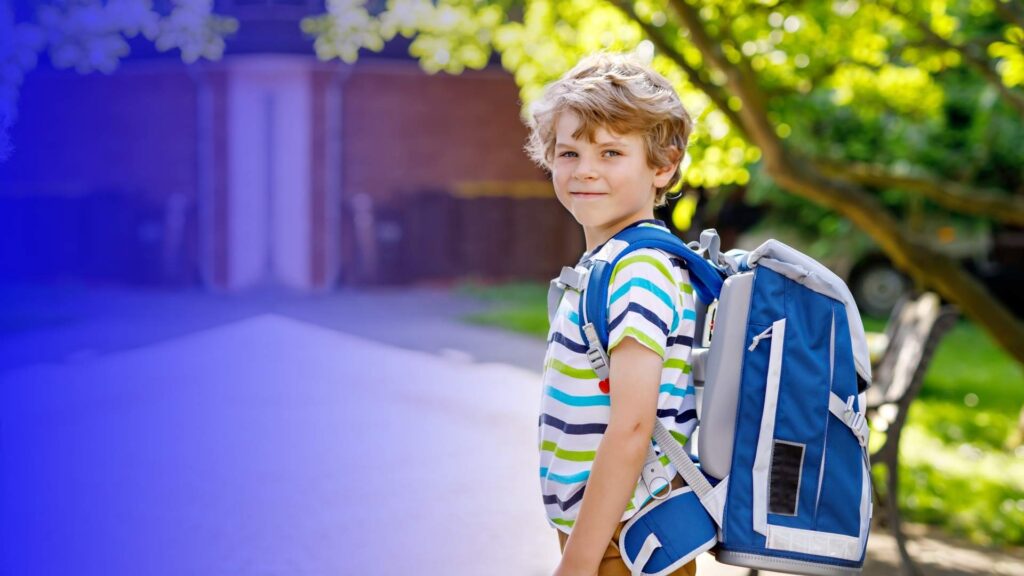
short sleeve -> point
(643, 301)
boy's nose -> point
(584, 172)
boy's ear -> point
(663, 174)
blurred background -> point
(207, 203)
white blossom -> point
(91, 35)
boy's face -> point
(606, 184)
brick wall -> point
(102, 155)
(405, 131)
(409, 141)
(102, 178)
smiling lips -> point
(587, 194)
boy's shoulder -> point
(648, 263)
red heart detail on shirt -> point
(605, 386)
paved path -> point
(264, 434)
(271, 446)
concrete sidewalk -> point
(271, 446)
(354, 433)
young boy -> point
(612, 132)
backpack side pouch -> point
(662, 537)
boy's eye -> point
(565, 154)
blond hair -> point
(625, 96)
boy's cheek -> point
(563, 197)
(567, 207)
(566, 201)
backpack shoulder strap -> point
(593, 312)
(707, 279)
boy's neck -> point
(598, 235)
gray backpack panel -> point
(722, 368)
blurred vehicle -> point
(994, 256)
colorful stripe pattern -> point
(651, 300)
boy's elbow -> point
(633, 432)
(642, 427)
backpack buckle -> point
(595, 353)
(856, 422)
(575, 278)
(653, 472)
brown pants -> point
(612, 563)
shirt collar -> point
(588, 255)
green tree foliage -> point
(859, 108)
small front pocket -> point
(661, 538)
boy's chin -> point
(587, 221)
(589, 215)
(593, 218)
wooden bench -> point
(913, 333)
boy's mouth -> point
(587, 194)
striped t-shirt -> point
(651, 300)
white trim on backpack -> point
(763, 456)
(814, 542)
(714, 503)
(866, 505)
(646, 551)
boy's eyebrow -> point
(608, 143)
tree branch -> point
(753, 111)
(698, 79)
(1010, 13)
(953, 196)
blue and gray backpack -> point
(780, 476)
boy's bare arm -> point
(635, 375)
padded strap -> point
(575, 278)
(707, 279)
(555, 292)
(650, 545)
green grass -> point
(961, 466)
(968, 489)
(520, 307)
(961, 463)
(969, 362)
